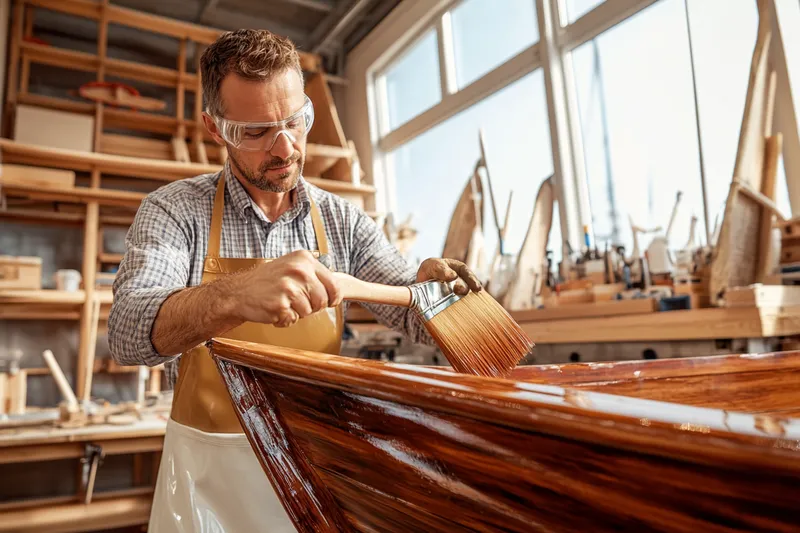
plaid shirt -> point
(166, 246)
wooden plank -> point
(79, 195)
(34, 216)
(53, 102)
(694, 324)
(15, 505)
(763, 296)
(46, 178)
(130, 146)
(327, 128)
(76, 517)
(101, 434)
(44, 296)
(734, 261)
(335, 186)
(598, 309)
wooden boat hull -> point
(355, 445)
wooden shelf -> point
(691, 324)
(686, 325)
(114, 512)
(48, 304)
(152, 23)
(110, 258)
(78, 195)
(133, 167)
(72, 59)
(60, 218)
(114, 118)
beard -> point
(284, 182)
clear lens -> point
(261, 136)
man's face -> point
(278, 169)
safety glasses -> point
(261, 136)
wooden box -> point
(20, 272)
(41, 178)
(56, 129)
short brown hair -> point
(255, 55)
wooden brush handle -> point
(364, 291)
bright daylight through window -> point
(635, 127)
(441, 161)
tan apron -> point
(209, 478)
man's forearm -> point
(194, 315)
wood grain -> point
(412, 448)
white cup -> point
(68, 280)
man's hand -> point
(449, 270)
(285, 290)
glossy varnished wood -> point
(393, 448)
(753, 383)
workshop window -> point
(504, 33)
(638, 122)
(411, 83)
(578, 8)
(431, 171)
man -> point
(246, 253)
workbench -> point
(70, 513)
(652, 335)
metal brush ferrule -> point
(429, 298)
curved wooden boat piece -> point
(701, 444)
(528, 280)
(465, 221)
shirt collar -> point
(241, 201)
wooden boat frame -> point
(356, 445)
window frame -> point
(552, 52)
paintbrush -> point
(475, 333)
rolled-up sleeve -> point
(155, 265)
(376, 260)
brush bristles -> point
(478, 336)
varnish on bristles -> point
(478, 336)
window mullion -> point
(447, 59)
(567, 157)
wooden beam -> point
(17, 28)
(25, 73)
(76, 517)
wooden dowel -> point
(60, 378)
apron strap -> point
(215, 231)
(319, 229)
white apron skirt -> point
(213, 483)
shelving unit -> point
(111, 178)
(131, 153)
